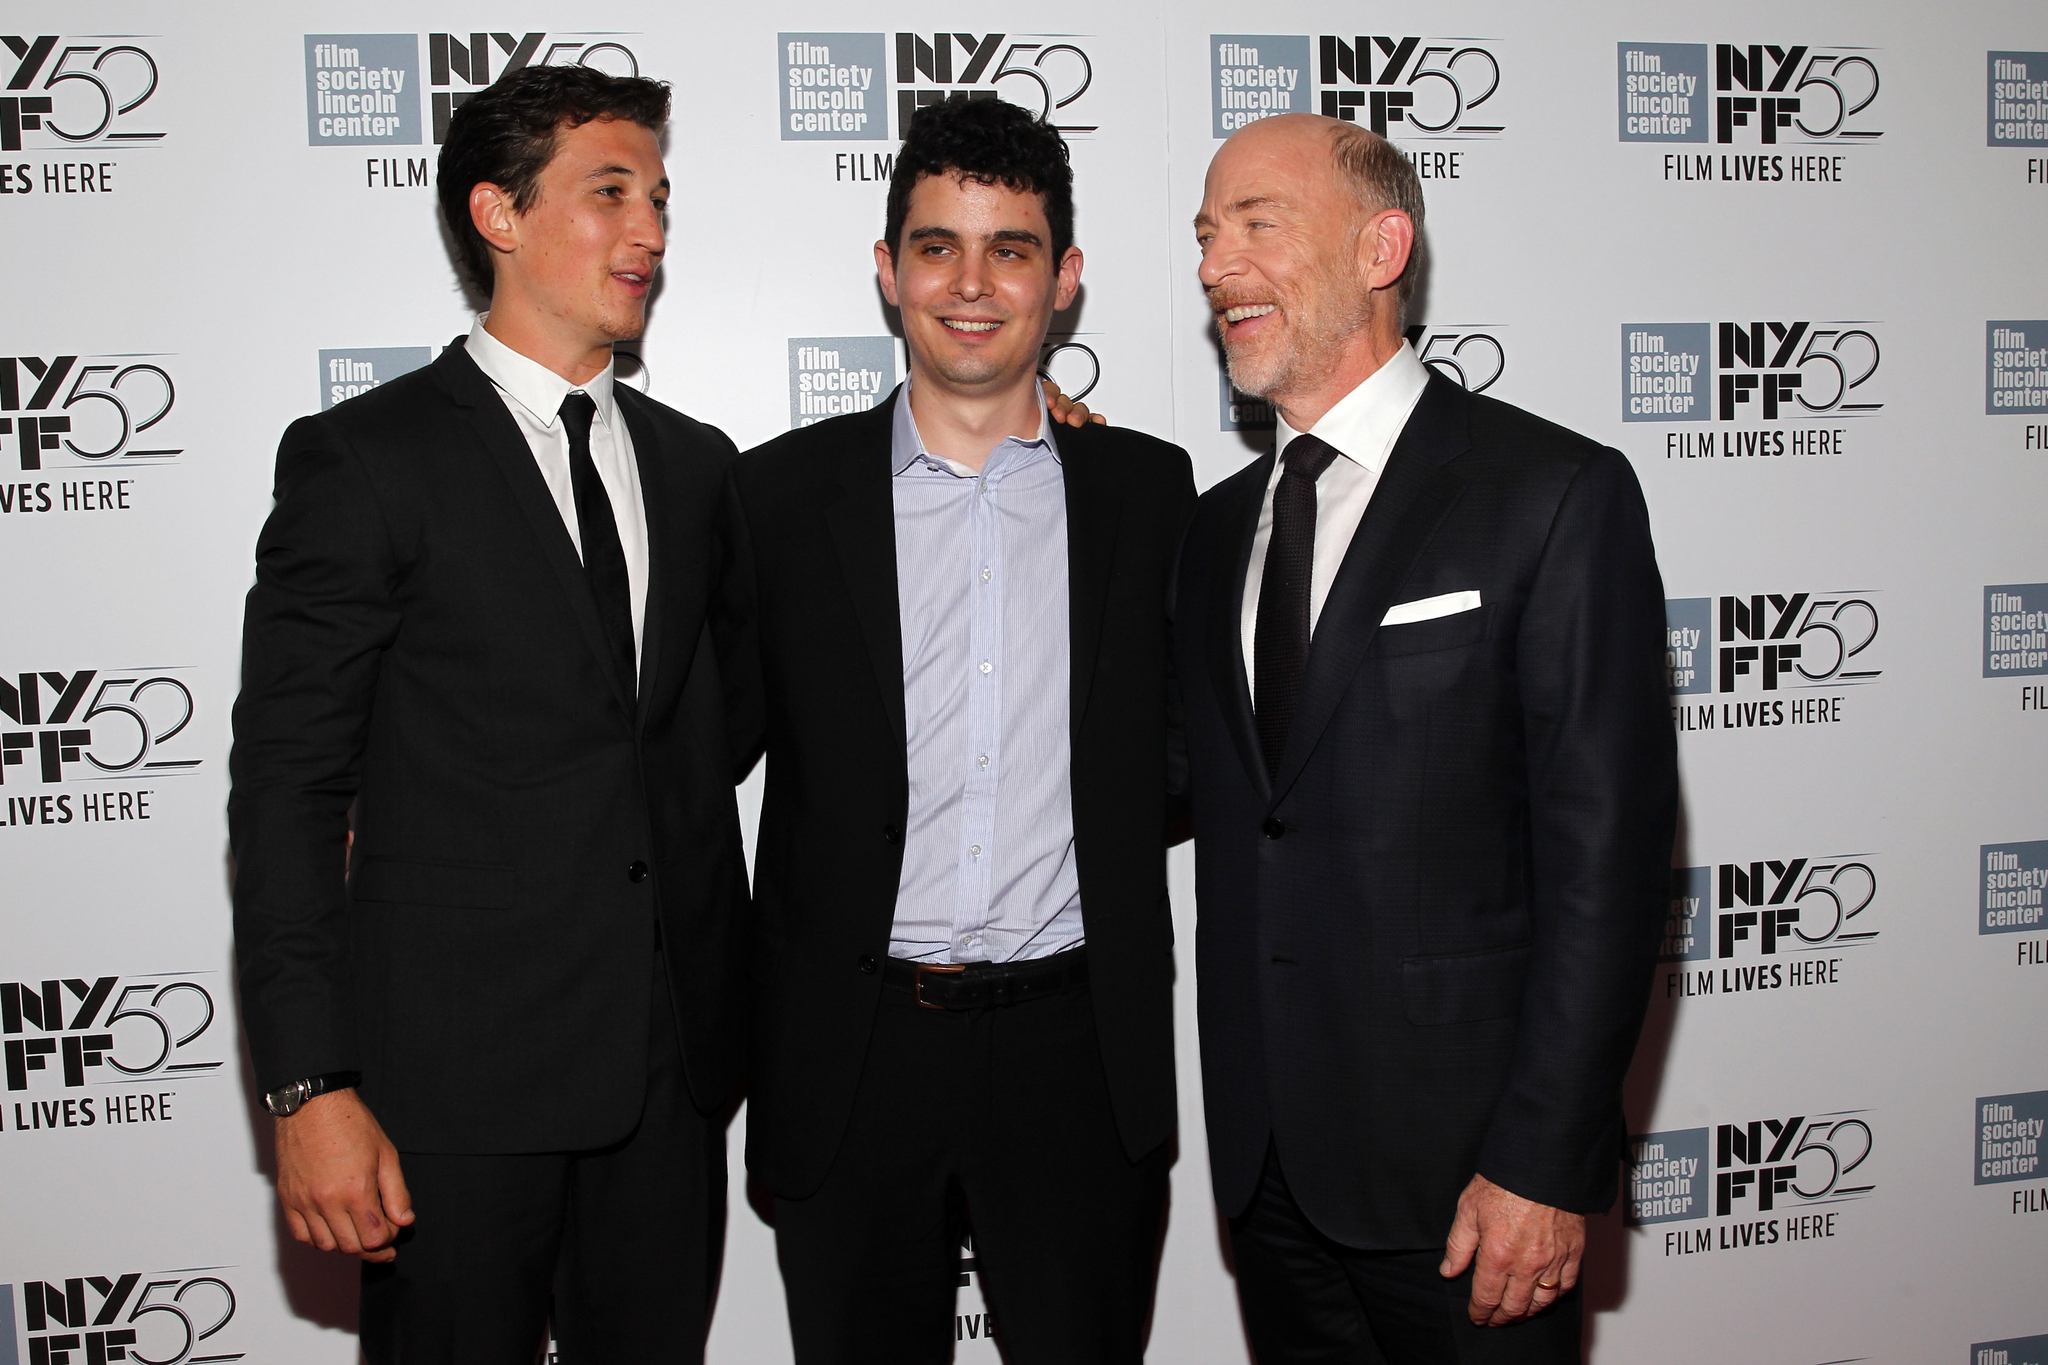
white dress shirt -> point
(1362, 429)
(533, 394)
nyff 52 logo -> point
(87, 723)
(1769, 641)
(75, 92)
(363, 89)
(121, 1029)
(1759, 1166)
(1763, 93)
(841, 86)
(164, 1317)
(1768, 907)
(83, 410)
(1767, 371)
(1400, 86)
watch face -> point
(286, 1099)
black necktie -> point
(1280, 640)
(604, 559)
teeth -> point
(1248, 310)
(971, 326)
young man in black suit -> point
(945, 621)
(1434, 787)
(501, 1051)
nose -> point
(646, 230)
(970, 280)
(1219, 260)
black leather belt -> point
(987, 985)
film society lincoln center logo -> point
(863, 87)
(1756, 1182)
(1748, 94)
(1402, 86)
(365, 89)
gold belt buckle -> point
(917, 987)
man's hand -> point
(1069, 410)
(1521, 1247)
(338, 1178)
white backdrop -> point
(1822, 220)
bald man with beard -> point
(1434, 787)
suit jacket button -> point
(1272, 828)
(637, 872)
(867, 965)
(892, 834)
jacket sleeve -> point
(735, 630)
(1603, 795)
(1179, 807)
(323, 610)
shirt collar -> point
(532, 385)
(1364, 423)
(907, 445)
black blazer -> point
(1426, 949)
(421, 644)
(810, 625)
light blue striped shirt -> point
(981, 585)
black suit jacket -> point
(1425, 949)
(811, 626)
(421, 644)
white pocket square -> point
(1429, 608)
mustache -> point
(1222, 299)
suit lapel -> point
(1226, 622)
(1414, 493)
(863, 526)
(675, 578)
(1094, 498)
(500, 435)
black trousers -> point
(622, 1242)
(997, 1119)
(1308, 1299)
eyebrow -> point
(1256, 201)
(602, 171)
(946, 234)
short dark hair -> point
(506, 135)
(990, 141)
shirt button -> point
(987, 667)
(982, 761)
(987, 573)
(637, 872)
(974, 850)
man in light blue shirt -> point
(946, 627)
(985, 659)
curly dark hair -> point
(505, 135)
(990, 141)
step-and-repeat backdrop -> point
(1787, 256)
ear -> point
(1384, 248)
(1068, 280)
(490, 209)
(885, 266)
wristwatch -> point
(287, 1099)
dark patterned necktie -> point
(604, 558)
(1280, 639)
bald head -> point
(1308, 233)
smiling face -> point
(976, 283)
(574, 268)
(1281, 235)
